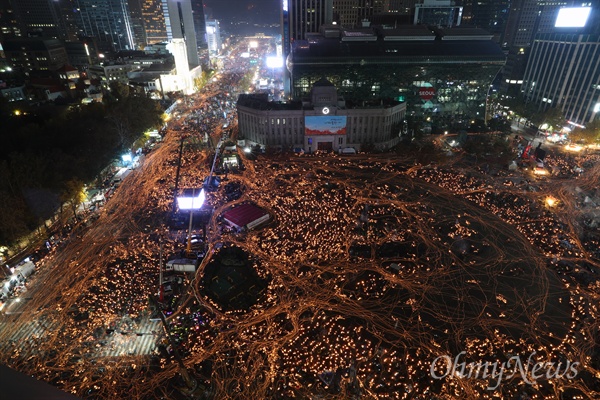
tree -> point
(13, 213)
(587, 135)
(13, 218)
(553, 116)
(73, 193)
(246, 81)
(203, 79)
(131, 116)
(499, 124)
(119, 90)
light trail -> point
(444, 259)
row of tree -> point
(46, 157)
(554, 118)
(204, 78)
(588, 135)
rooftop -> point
(261, 101)
(244, 214)
(405, 45)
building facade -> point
(490, 15)
(199, 23)
(27, 54)
(108, 21)
(179, 21)
(307, 16)
(154, 21)
(324, 121)
(39, 17)
(15, 93)
(350, 13)
(82, 53)
(110, 73)
(529, 18)
(403, 7)
(137, 24)
(9, 26)
(446, 73)
(563, 71)
(213, 36)
(438, 13)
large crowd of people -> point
(376, 268)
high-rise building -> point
(350, 13)
(307, 16)
(199, 23)
(441, 13)
(490, 15)
(403, 7)
(28, 54)
(9, 27)
(107, 20)
(527, 18)
(213, 36)
(179, 21)
(137, 23)
(178, 47)
(298, 18)
(154, 21)
(563, 71)
(39, 18)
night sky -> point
(254, 11)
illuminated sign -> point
(325, 125)
(193, 202)
(426, 93)
(572, 17)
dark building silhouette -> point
(199, 23)
(109, 21)
(27, 54)
(490, 15)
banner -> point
(325, 125)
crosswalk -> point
(27, 339)
(142, 340)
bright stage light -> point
(191, 202)
(572, 17)
(274, 62)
